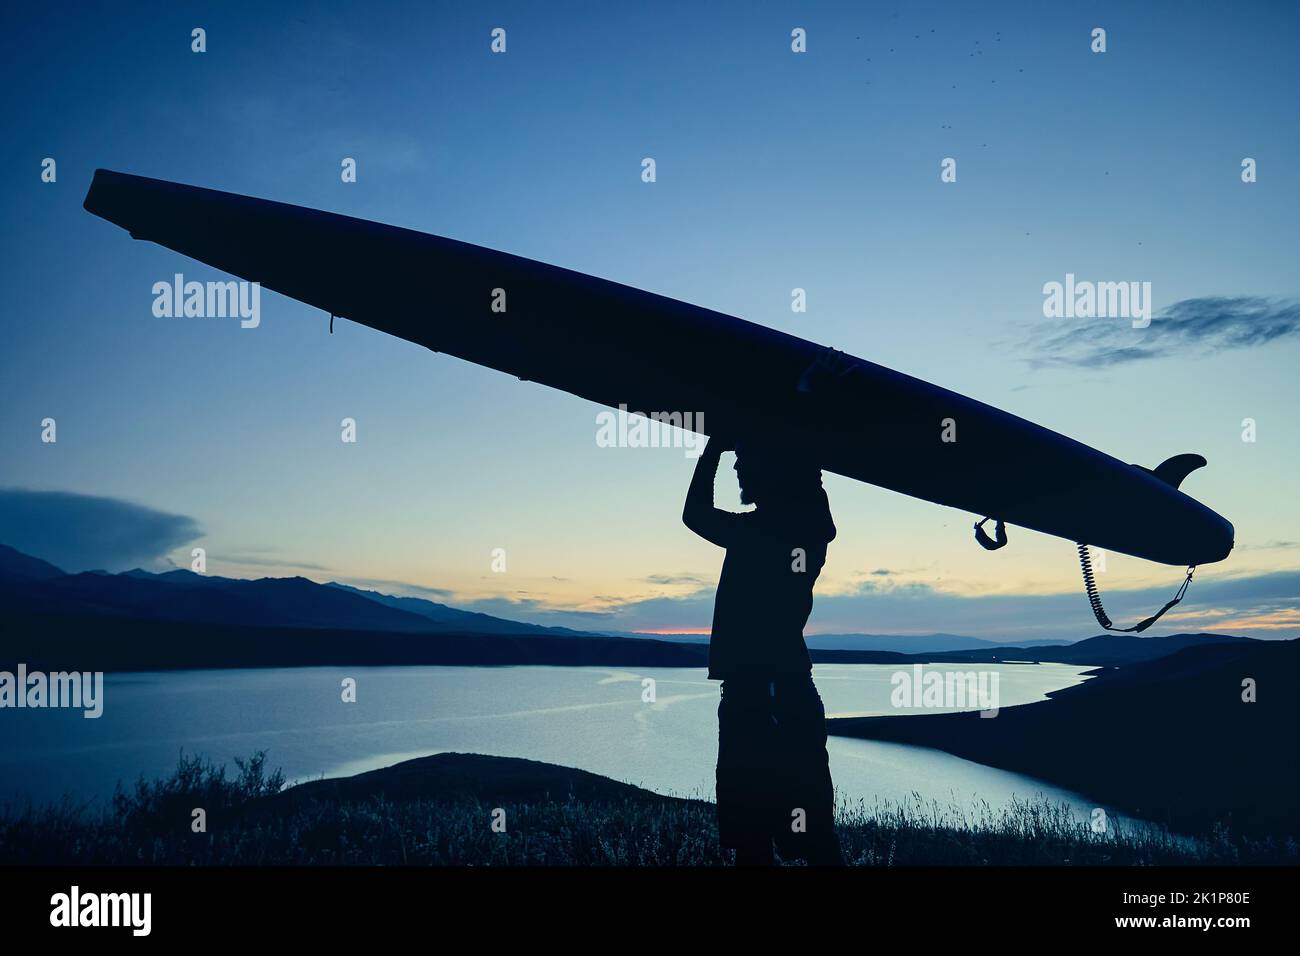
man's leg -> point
(801, 719)
(743, 774)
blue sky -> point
(775, 170)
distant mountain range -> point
(181, 595)
(297, 602)
(177, 619)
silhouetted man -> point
(773, 778)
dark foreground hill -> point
(441, 810)
(457, 775)
(1168, 739)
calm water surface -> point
(585, 717)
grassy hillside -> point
(439, 810)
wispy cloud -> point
(86, 532)
(1283, 619)
(256, 561)
(695, 580)
(1190, 326)
(1261, 604)
(399, 588)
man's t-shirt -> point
(765, 590)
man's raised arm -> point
(710, 523)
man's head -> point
(775, 468)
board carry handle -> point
(987, 543)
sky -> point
(775, 170)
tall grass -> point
(247, 823)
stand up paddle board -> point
(620, 346)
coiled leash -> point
(1089, 580)
(1099, 612)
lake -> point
(586, 717)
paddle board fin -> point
(1172, 471)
